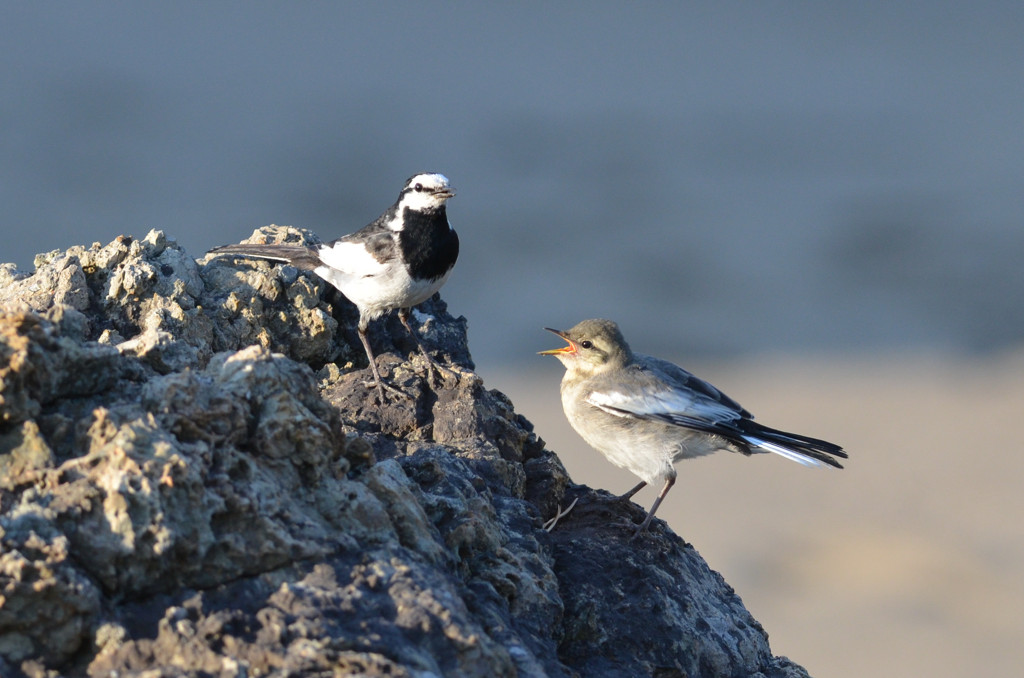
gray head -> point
(425, 192)
(594, 346)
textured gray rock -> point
(196, 480)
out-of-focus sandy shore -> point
(909, 562)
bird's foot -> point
(636, 533)
(641, 528)
(382, 387)
(433, 367)
(438, 374)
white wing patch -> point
(685, 403)
(612, 403)
(351, 258)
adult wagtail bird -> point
(399, 260)
(644, 414)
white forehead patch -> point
(426, 198)
(429, 180)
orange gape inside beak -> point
(571, 348)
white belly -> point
(385, 290)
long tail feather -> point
(299, 256)
(801, 449)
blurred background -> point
(816, 206)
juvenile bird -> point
(396, 262)
(644, 414)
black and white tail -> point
(299, 256)
(801, 449)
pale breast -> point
(646, 448)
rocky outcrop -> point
(195, 480)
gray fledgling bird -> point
(644, 414)
(396, 262)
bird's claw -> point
(438, 374)
(442, 372)
(641, 528)
(381, 387)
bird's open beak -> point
(571, 348)
(445, 193)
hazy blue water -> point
(718, 177)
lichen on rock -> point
(195, 479)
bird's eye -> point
(419, 188)
(586, 343)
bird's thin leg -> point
(377, 381)
(629, 495)
(669, 482)
(403, 315)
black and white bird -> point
(644, 414)
(396, 262)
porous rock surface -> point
(195, 480)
